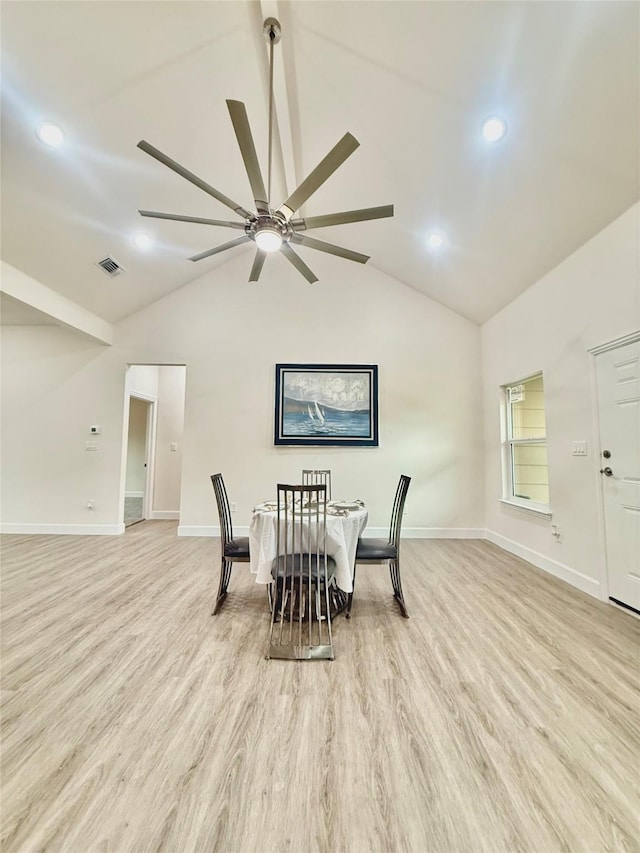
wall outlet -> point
(95, 429)
(555, 531)
(234, 506)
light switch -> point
(579, 448)
(95, 429)
(91, 445)
(174, 445)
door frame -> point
(594, 352)
(150, 449)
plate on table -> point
(266, 506)
(349, 506)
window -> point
(526, 472)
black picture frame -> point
(326, 405)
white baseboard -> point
(134, 494)
(207, 530)
(553, 567)
(427, 533)
(165, 515)
(63, 529)
(370, 532)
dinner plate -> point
(351, 506)
(266, 506)
(335, 510)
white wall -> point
(230, 334)
(143, 379)
(170, 430)
(55, 385)
(590, 298)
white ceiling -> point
(411, 80)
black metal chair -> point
(379, 551)
(231, 550)
(302, 571)
(317, 477)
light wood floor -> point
(503, 716)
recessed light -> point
(50, 134)
(142, 240)
(494, 129)
(435, 240)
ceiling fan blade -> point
(155, 215)
(342, 218)
(240, 120)
(222, 248)
(298, 263)
(312, 243)
(258, 263)
(194, 179)
(319, 175)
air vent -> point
(111, 267)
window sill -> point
(533, 508)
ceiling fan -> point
(272, 229)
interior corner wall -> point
(230, 334)
(169, 435)
(55, 385)
(592, 297)
(143, 380)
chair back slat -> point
(224, 511)
(300, 615)
(398, 508)
(317, 476)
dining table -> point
(346, 521)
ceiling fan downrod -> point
(272, 33)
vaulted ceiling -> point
(412, 81)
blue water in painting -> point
(336, 423)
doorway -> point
(152, 438)
(618, 389)
(139, 462)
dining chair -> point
(300, 612)
(231, 550)
(379, 551)
(315, 477)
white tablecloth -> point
(342, 539)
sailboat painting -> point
(332, 405)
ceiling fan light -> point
(268, 239)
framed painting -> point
(327, 405)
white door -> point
(135, 508)
(618, 381)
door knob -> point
(606, 471)
(606, 454)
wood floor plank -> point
(503, 716)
